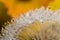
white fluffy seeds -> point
(38, 14)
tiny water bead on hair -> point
(38, 24)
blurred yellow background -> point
(16, 7)
(55, 5)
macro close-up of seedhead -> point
(38, 24)
(29, 19)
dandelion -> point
(38, 24)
